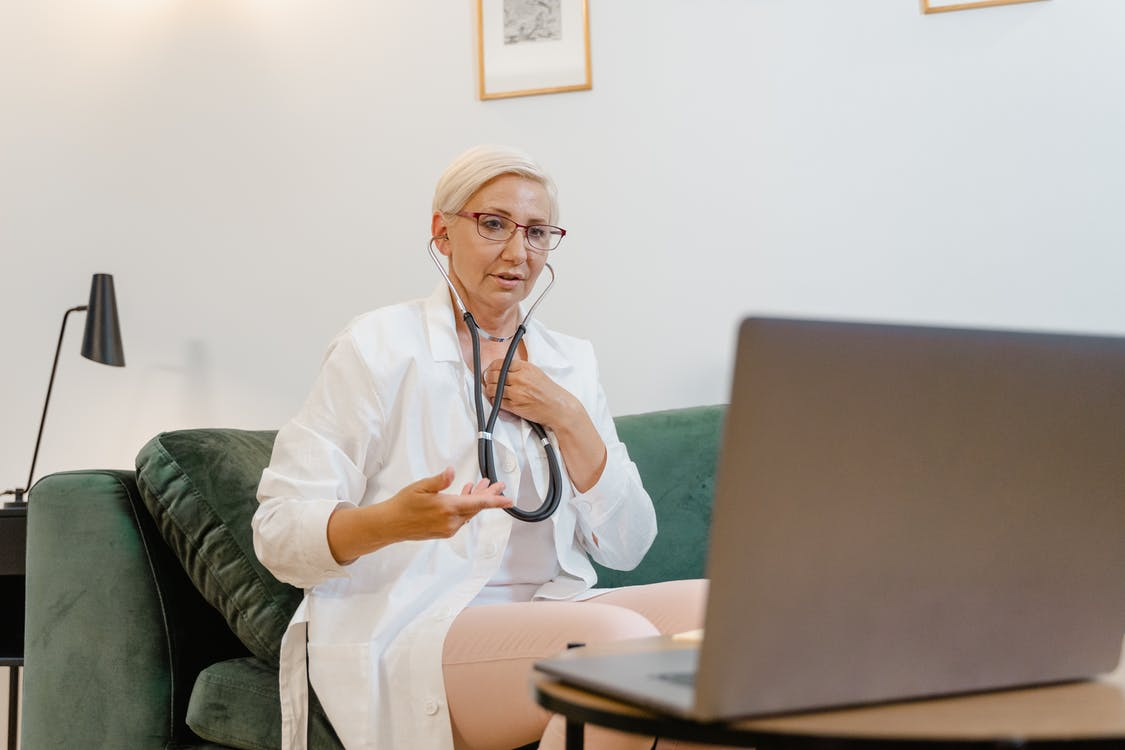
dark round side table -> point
(1087, 714)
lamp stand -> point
(20, 493)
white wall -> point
(255, 172)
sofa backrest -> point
(676, 453)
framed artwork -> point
(529, 47)
(940, 6)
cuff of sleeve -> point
(314, 540)
(601, 501)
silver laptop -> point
(901, 512)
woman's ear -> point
(439, 231)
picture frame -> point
(941, 6)
(528, 47)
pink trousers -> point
(490, 649)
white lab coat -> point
(393, 404)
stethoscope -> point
(485, 457)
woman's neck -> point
(500, 324)
(490, 350)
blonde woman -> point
(425, 602)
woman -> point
(425, 606)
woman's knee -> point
(534, 630)
(672, 606)
(597, 622)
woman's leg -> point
(671, 606)
(490, 650)
(488, 657)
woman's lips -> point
(508, 280)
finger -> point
(474, 504)
(462, 508)
(495, 501)
(472, 489)
(491, 374)
(437, 482)
(487, 486)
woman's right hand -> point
(421, 510)
(426, 512)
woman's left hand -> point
(530, 394)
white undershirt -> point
(530, 559)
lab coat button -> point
(430, 706)
(491, 549)
(509, 463)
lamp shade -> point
(102, 340)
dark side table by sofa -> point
(13, 552)
(1089, 714)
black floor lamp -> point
(101, 343)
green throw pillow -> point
(200, 487)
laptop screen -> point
(906, 511)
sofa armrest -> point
(116, 633)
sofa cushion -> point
(676, 453)
(227, 693)
(200, 487)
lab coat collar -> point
(441, 328)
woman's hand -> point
(425, 512)
(419, 511)
(530, 394)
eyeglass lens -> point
(500, 228)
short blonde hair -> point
(478, 166)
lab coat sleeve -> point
(616, 520)
(321, 460)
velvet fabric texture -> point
(676, 453)
(200, 486)
(228, 692)
(115, 631)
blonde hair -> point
(478, 166)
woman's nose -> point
(515, 249)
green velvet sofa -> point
(152, 626)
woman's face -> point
(493, 276)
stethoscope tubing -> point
(485, 455)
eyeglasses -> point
(542, 237)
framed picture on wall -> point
(529, 47)
(939, 6)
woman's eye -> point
(537, 233)
(492, 223)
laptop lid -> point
(906, 511)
